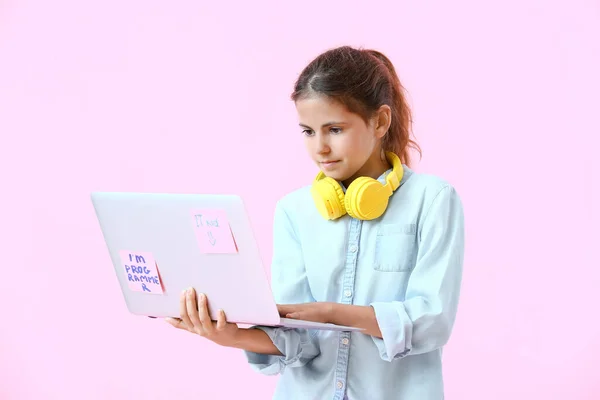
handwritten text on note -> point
(213, 231)
(141, 272)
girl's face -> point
(342, 145)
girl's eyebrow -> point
(324, 125)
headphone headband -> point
(395, 177)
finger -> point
(284, 309)
(183, 313)
(177, 323)
(205, 320)
(294, 315)
(221, 321)
(192, 311)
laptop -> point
(161, 244)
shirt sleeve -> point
(290, 286)
(424, 320)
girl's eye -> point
(335, 130)
(307, 132)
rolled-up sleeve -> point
(290, 286)
(424, 320)
(296, 345)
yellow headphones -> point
(366, 198)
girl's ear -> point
(383, 120)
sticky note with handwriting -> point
(213, 231)
(141, 271)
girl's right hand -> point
(196, 319)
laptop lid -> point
(161, 244)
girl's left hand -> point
(316, 312)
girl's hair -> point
(362, 80)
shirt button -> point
(340, 385)
(348, 293)
(353, 248)
(345, 341)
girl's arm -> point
(255, 341)
(356, 316)
(334, 313)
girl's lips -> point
(329, 164)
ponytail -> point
(398, 138)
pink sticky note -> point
(213, 231)
(141, 271)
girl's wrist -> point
(330, 312)
(236, 340)
(254, 340)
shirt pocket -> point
(395, 247)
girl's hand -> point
(316, 312)
(196, 319)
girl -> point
(369, 244)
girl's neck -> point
(373, 168)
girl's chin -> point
(337, 175)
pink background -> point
(193, 97)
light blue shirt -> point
(407, 265)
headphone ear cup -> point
(328, 196)
(366, 199)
